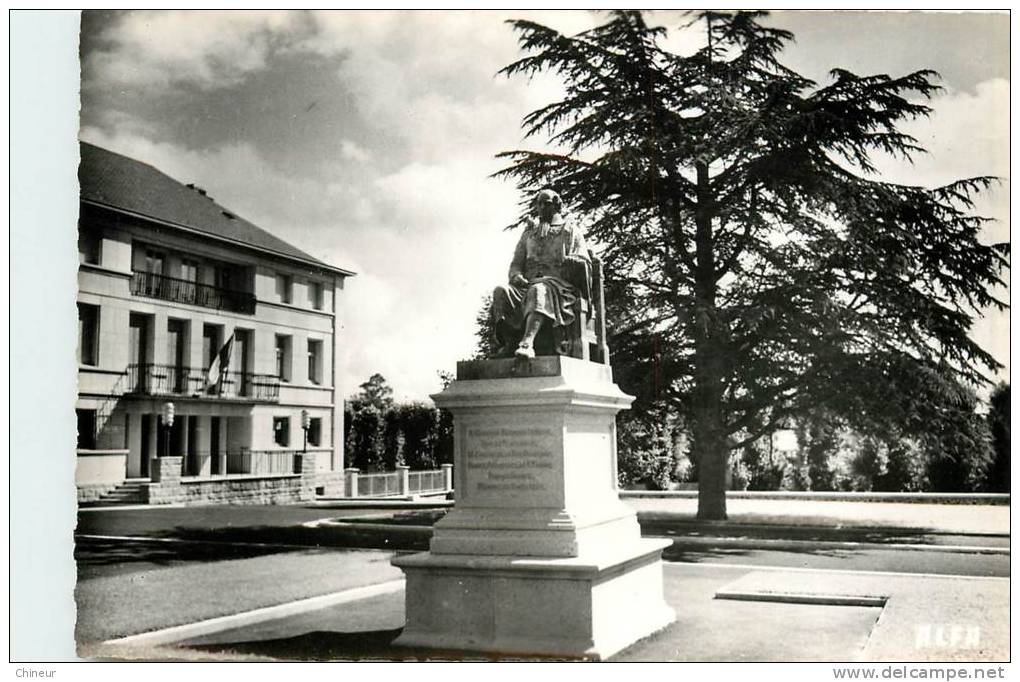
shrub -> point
(419, 423)
(997, 480)
(646, 452)
(761, 470)
(365, 448)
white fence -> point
(400, 483)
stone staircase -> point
(128, 492)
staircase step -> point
(129, 492)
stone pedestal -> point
(538, 556)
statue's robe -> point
(555, 260)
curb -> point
(210, 626)
(801, 545)
(800, 598)
(994, 499)
(364, 503)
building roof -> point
(122, 183)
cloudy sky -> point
(367, 139)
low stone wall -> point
(168, 487)
(330, 483)
(98, 472)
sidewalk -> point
(930, 518)
(708, 627)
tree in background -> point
(818, 437)
(763, 469)
(998, 425)
(393, 438)
(485, 346)
(366, 446)
(419, 423)
(375, 392)
(755, 264)
(959, 450)
(380, 433)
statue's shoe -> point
(524, 351)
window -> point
(283, 357)
(283, 287)
(222, 276)
(315, 431)
(281, 431)
(189, 270)
(88, 334)
(154, 262)
(86, 429)
(315, 295)
(90, 245)
(212, 336)
(315, 361)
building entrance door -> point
(214, 445)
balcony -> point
(171, 380)
(154, 285)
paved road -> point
(170, 521)
(200, 563)
(114, 542)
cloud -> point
(206, 49)
(397, 186)
(350, 151)
(426, 241)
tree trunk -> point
(710, 448)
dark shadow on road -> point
(89, 552)
(348, 646)
(185, 544)
(680, 553)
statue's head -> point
(546, 204)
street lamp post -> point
(306, 422)
(168, 421)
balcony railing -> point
(240, 462)
(171, 380)
(154, 285)
(260, 462)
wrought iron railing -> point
(154, 285)
(173, 380)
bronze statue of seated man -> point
(550, 269)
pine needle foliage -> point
(748, 238)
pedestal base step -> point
(581, 607)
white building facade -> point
(181, 301)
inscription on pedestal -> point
(514, 460)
